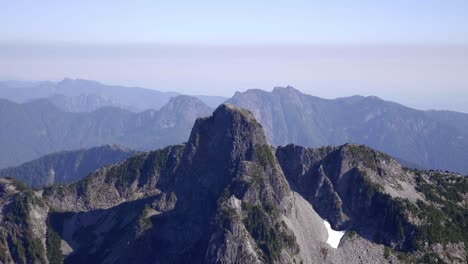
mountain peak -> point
(76, 81)
(227, 195)
(231, 109)
(183, 109)
(220, 143)
(229, 125)
(184, 100)
(238, 123)
(286, 89)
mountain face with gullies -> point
(38, 128)
(227, 196)
(428, 139)
(66, 166)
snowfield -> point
(334, 237)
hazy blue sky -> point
(414, 52)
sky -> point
(413, 52)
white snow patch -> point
(334, 237)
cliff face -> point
(226, 196)
(354, 187)
(23, 229)
(219, 199)
(200, 199)
(369, 194)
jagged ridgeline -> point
(226, 196)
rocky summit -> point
(227, 196)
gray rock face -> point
(349, 186)
(429, 139)
(23, 228)
(136, 178)
(66, 167)
(369, 194)
(226, 196)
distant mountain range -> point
(80, 109)
(66, 166)
(227, 196)
(428, 139)
(31, 130)
(77, 95)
